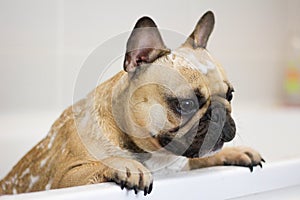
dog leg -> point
(127, 173)
(235, 156)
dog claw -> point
(145, 191)
(263, 160)
(135, 189)
(150, 188)
(251, 168)
(122, 184)
(261, 166)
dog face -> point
(178, 101)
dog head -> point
(178, 100)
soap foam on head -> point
(193, 61)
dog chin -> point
(213, 151)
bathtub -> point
(273, 130)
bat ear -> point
(144, 45)
(202, 31)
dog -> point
(167, 111)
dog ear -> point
(144, 45)
(202, 31)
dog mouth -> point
(205, 138)
(196, 152)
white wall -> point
(28, 54)
(43, 43)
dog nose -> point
(229, 130)
(219, 116)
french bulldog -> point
(167, 111)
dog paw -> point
(240, 156)
(129, 174)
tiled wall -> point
(43, 44)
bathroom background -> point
(43, 44)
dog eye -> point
(229, 94)
(186, 107)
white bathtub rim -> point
(209, 183)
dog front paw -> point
(240, 156)
(129, 174)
